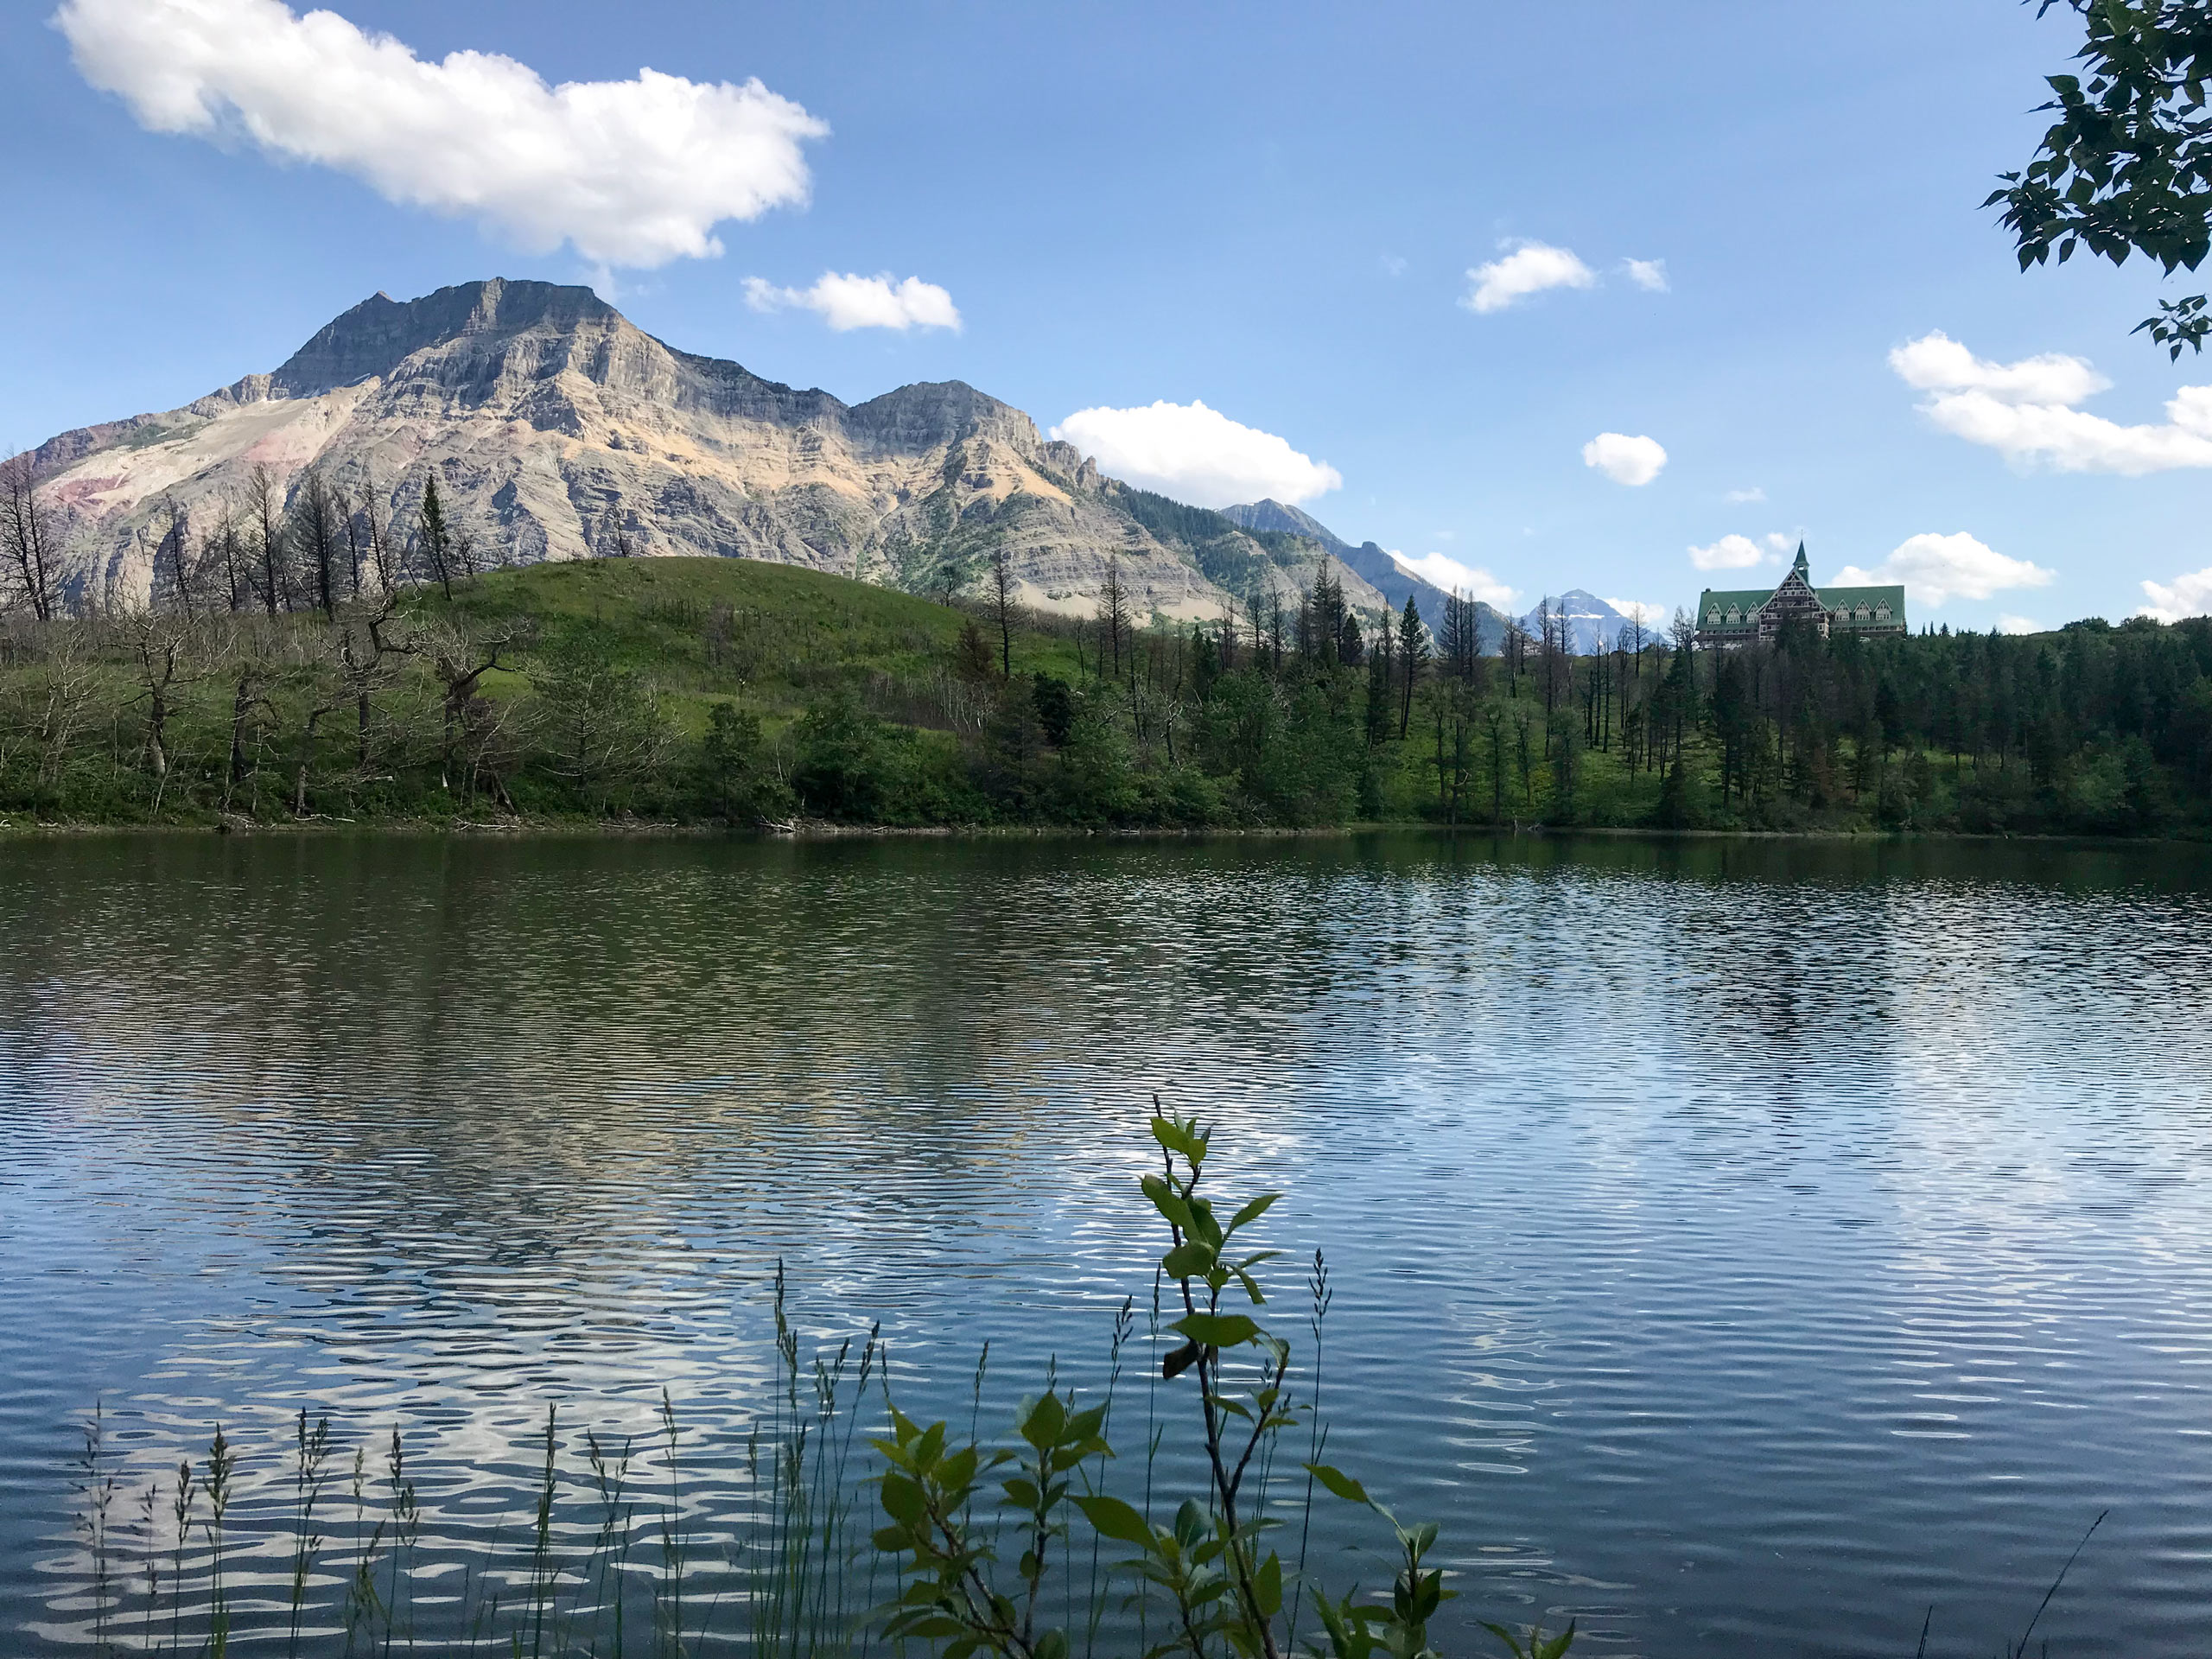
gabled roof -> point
(1749, 599)
(1835, 598)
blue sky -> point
(1275, 211)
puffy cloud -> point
(2007, 623)
(631, 172)
(1743, 496)
(1649, 275)
(1624, 460)
(1728, 553)
(2188, 595)
(1530, 268)
(1741, 552)
(1468, 581)
(1937, 362)
(1653, 614)
(1196, 454)
(849, 301)
(1936, 568)
(2025, 411)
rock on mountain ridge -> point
(555, 426)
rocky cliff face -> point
(557, 428)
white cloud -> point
(1393, 266)
(2024, 411)
(1653, 614)
(1741, 552)
(1649, 275)
(1937, 362)
(2187, 596)
(1624, 460)
(1744, 497)
(631, 172)
(1728, 553)
(1936, 568)
(2007, 623)
(1530, 268)
(1196, 454)
(1469, 581)
(849, 301)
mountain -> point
(1389, 576)
(1592, 625)
(555, 429)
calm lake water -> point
(1739, 1247)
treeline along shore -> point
(309, 668)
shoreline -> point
(520, 829)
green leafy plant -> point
(928, 1492)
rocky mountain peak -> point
(1270, 514)
(379, 334)
(946, 411)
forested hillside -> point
(716, 689)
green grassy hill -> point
(709, 630)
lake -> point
(1737, 1246)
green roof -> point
(1747, 600)
(1837, 598)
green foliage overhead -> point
(2127, 167)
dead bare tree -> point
(316, 512)
(461, 655)
(30, 540)
(173, 554)
(250, 654)
(264, 507)
(375, 516)
(222, 552)
(366, 648)
(161, 649)
(356, 511)
(313, 672)
(57, 699)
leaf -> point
(902, 1499)
(1217, 1330)
(1267, 1585)
(1174, 1365)
(1165, 1199)
(1189, 1523)
(1339, 1483)
(1040, 1421)
(1112, 1518)
(1254, 1210)
(1187, 1259)
(1202, 1224)
(1179, 1137)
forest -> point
(301, 661)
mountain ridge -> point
(558, 429)
(1383, 570)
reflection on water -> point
(1739, 1246)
